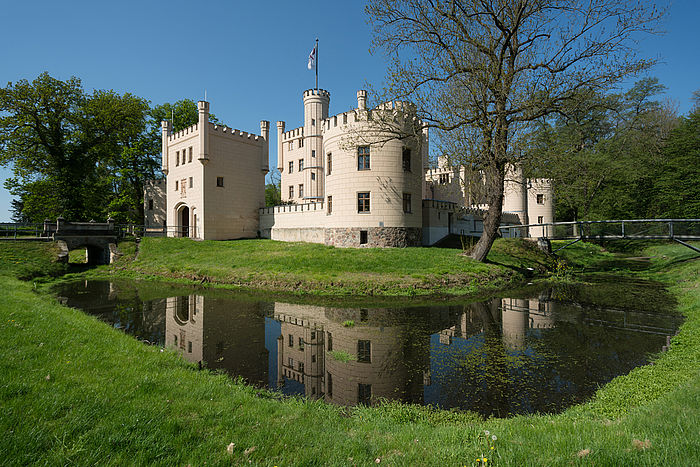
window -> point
(313, 335)
(291, 340)
(540, 199)
(313, 122)
(183, 187)
(329, 163)
(301, 165)
(540, 219)
(313, 153)
(444, 178)
(175, 339)
(363, 237)
(329, 384)
(220, 181)
(363, 201)
(184, 157)
(313, 176)
(330, 342)
(330, 204)
(177, 185)
(364, 315)
(364, 393)
(301, 143)
(301, 367)
(345, 118)
(301, 190)
(290, 362)
(291, 145)
(407, 202)
(189, 158)
(177, 158)
(150, 205)
(190, 182)
(364, 351)
(189, 346)
(313, 359)
(291, 191)
(363, 158)
(301, 343)
(406, 160)
(291, 167)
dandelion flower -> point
(494, 437)
(486, 432)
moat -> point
(539, 350)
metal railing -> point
(20, 231)
(651, 229)
(134, 230)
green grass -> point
(28, 260)
(75, 391)
(311, 269)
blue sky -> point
(249, 57)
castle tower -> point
(540, 206)
(265, 155)
(316, 103)
(515, 193)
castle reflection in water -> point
(345, 356)
(499, 357)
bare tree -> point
(481, 71)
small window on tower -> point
(330, 204)
(177, 185)
(190, 182)
(189, 159)
(313, 176)
(540, 199)
(313, 122)
(301, 190)
(150, 205)
(220, 181)
(301, 165)
(291, 145)
(177, 158)
(406, 160)
(291, 167)
(313, 153)
(291, 191)
(329, 163)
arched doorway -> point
(184, 221)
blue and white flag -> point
(312, 59)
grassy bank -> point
(73, 390)
(311, 269)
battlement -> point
(234, 133)
(182, 133)
(293, 134)
(317, 92)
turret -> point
(515, 193)
(362, 99)
(167, 129)
(316, 103)
(203, 125)
(265, 133)
(280, 156)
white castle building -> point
(346, 180)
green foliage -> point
(677, 184)
(605, 153)
(342, 356)
(273, 197)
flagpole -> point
(317, 63)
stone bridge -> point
(99, 239)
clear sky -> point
(249, 57)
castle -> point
(358, 178)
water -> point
(538, 350)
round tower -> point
(540, 206)
(316, 104)
(515, 193)
(374, 190)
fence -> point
(672, 229)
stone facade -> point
(215, 179)
(374, 237)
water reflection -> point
(501, 357)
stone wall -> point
(376, 237)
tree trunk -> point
(495, 176)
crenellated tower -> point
(316, 104)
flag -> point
(312, 58)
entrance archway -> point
(184, 221)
